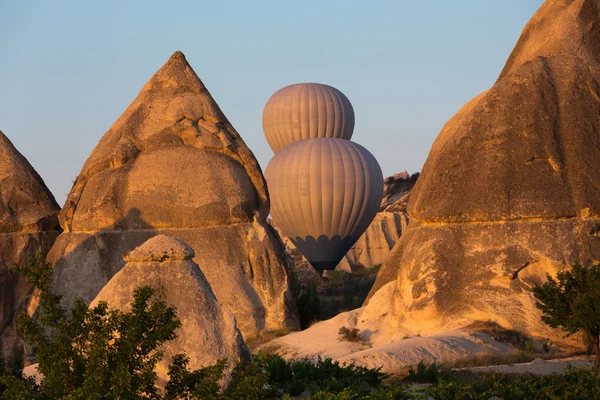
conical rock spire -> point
(173, 109)
(510, 189)
(173, 164)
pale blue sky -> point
(68, 69)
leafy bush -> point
(96, 352)
(574, 384)
(572, 302)
(99, 353)
(431, 373)
(295, 377)
(349, 335)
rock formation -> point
(396, 192)
(375, 244)
(173, 164)
(208, 330)
(510, 190)
(28, 227)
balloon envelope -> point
(307, 111)
(324, 195)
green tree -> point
(93, 353)
(572, 302)
(99, 353)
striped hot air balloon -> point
(306, 111)
(324, 194)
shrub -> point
(96, 352)
(573, 384)
(349, 335)
(572, 302)
(324, 375)
(431, 373)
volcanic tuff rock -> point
(375, 244)
(208, 330)
(173, 164)
(510, 190)
(396, 191)
(28, 227)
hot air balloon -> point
(324, 194)
(305, 111)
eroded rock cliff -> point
(173, 164)
(510, 189)
(28, 227)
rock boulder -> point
(208, 331)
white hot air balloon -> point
(324, 195)
(306, 111)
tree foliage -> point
(572, 302)
(99, 353)
(93, 353)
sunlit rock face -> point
(173, 164)
(28, 227)
(375, 244)
(208, 331)
(510, 190)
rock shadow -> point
(85, 261)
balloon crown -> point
(306, 111)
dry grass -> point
(271, 349)
(478, 360)
(486, 359)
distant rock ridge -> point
(28, 227)
(510, 189)
(396, 191)
(173, 164)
